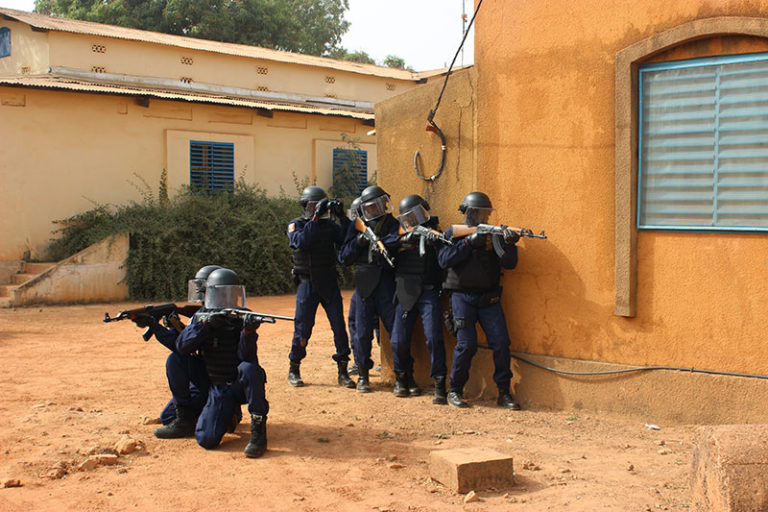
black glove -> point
(144, 321)
(337, 208)
(251, 323)
(477, 241)
(322, 207)
(511, 237)
(361, 241)
(212, 321)
(406, 238)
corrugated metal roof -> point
(41, 21)
(69, 84)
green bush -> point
(171, 238)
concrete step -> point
(37, 268)
(21, 278)
(5, 290)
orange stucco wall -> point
(545, 146)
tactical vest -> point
(368, 274)
(220, 353)
(480, 272)
(321, 253)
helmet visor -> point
(196, 290)
(375, 208)
(309, 210)
(477, 216)
(414, 217)
(220, 296)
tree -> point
(312, 27)
(358, 56)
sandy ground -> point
(72, 387)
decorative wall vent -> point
(390, 86)
(330, 79)
(98, 48)
(331, 96)
(262, 88)
(187, 61)
(262, 70)
(98, 69)
(186, 79)
(25, 70)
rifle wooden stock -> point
(371, 236)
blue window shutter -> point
(351, 164)
(211, 166)
(704, 144)
(5, 42)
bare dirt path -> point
(72, 387)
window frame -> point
(689, 64)
(5, 33)
(212, 169)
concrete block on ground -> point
(730, 469)
(467, 469)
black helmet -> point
(309, 199)
(222, 276)
(354, 209)
(475, 200)
(374, 203)
(223, 290)
(204, 272)
(371, 193)
(196, 286)
(412, 201)
(312, 193)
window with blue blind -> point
(211, 166)
(703, 162)
(5, 42)
(350, 172)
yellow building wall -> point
(65, 152)
(29, 50)
(533, 125)
(545, 135)
(124, 57)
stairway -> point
(10, 280)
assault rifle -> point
(499, 232)
(169, 310)
(248, 316)
(425, 235)
(374, 240)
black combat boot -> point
(440, 396)
(507, 401)
(181, 426)
(363, 385)
(456, 399)
(413, 388)
(353, 369)
(344, 380)
(401, 385)
(258, 443)
(294, 376)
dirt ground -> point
(73, 387)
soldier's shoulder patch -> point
(291, 227)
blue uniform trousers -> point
(428, 306)
(307, 300)
(224, 402)
(466, 313)
(188, 381)
(369, 311)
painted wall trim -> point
(626, 140)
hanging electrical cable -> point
(431, 125)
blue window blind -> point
(703, 162)
(211, 166)
(350, 171)
(5, 42)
